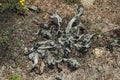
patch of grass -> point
(4, 39)
(14, 77)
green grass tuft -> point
(14, 77)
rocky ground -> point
(97, 64)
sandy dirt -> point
(97, 64)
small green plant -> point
(72, 1)
(18, 42)
(14, 5)
(4, 39)
(14, 77)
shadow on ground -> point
(9, 43)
